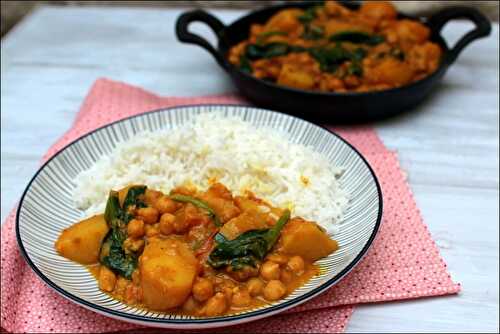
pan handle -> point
(482, 29)
(183, 34)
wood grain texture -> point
(448, 146)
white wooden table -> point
(449, 147)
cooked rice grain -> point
(228, 150)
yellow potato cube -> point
(168, 268)
(81, 242)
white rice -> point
(229, 150)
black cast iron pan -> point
(329, 107)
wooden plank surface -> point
(448, 146)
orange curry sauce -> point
(169, 250)
(332, 48)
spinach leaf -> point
(245, 64)
(358, 54)
(355, 68)
(198, 203)
(312, 32)
(308, 15)
(132, 197)
(263, 36)
(256, 51)
(116, 259)
(330, 59)
(113, 213)
(356, 37)
(276, 49)
(112, 254)
(297, 48)
(248, 248)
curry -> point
(331, 48)
(195, 253)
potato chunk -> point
(284, 20)
(390, 71)
(168, 268)
(294, 76)
(410, 31)
(247, 221)
(336, 26)
(81, 242)
(306, 239)
(378, 10)
(219, 198)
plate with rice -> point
(291, 163)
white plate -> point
(46, 209)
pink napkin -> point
(403, 262)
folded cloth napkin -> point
(402, 263)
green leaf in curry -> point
(198, 203)
(248, 248)
(312, 32)
(276, 50)
(114, 257)
(331, 58)
(263, 36)
(355, 68)
(112, 254)
(113, 213)
(256, 51)
(356, 37)
(132, 197)
(358, 54)
(308, 15)
(245, 64)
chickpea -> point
(244, 273)
(135, 228)
(274, 290)
(224, 282)
(165, 205)
(149, 215)
(152, 230)
(107, 279)
(167, 223)
(286, 276)
(190, 305)
(296, 265)
(241, 298)
(151, 196)
(270, 271)
(133, 245)
(225, 286)
(120, 286)
(139, 293)
(203, 289)
(255, 286)
(278, 258)
(228, 293)
(132, 294)
(136, 277)
(216, 305)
